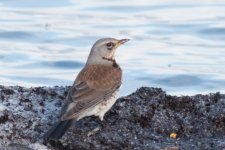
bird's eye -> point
(109, 45)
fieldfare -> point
(95, 89)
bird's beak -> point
(120, 42)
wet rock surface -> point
(146, 119)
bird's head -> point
(104, 50)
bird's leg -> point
(101, 117)
(102, 122)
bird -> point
(94, 90)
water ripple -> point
(176, 45)
(63, 64)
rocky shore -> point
(146, 119)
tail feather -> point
(58, 130)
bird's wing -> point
(92, 86)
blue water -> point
(176, 45)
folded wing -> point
(93, 85)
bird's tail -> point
(58, 130)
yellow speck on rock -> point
(173, 135)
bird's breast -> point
(104, 106)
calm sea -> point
(178, 45)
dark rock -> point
(143, 120)
(3, 117)
(17, 146)
(7, 91)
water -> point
(176, 45)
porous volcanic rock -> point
(146, 119)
